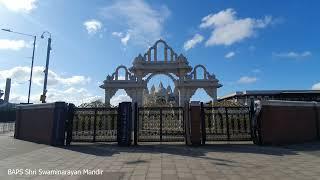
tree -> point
(93, 104)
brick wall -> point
(41, 123)
(285, 122)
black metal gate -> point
(226, 123)
(94, 125)
(160, 124)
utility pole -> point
(34, 47)
(43, 96)
(31, 71)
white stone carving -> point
(174, 66)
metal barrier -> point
(6, 127)
(160, 124)
(94, 125)
(227, 123)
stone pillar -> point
(108, 95)
(165, 54)
(195, 124)
(212, 92)
(181, 97)
(155, 54)
(185, 94)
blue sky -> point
(246, 44)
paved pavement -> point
(165, 161)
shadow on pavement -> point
(309, 148)
(102, 149)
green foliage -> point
(93, 104)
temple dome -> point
(160, 89)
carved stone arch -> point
(128, 75)
(176, 67)
(155, 50)
(116, 73)
(194, 72)
(161, 41)
(148, 57)
(154, 74)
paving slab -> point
(27, 160)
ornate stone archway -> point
(135, 80)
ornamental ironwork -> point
(95, 124)
(161, 124)
(227, 123)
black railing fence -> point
(94, 124)
(6, 127)
(160, 124)
(226, 123)
(7, 119)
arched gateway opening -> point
(160, 83)
(160, 59)
(160, 91)
(160, 115)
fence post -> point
(251, 116)
(17, 123)
(160, 125)
(135, 140)
(316, 109)
(124, 124)
(227, 123)
(95, 125)
(203, 125)
(187, 124)
(69, 122)
(195, 124)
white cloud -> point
(247, 80)
(60, 88)
(123, 38)
(144, 22)
(6, 44)
(256, 71)
(73, 95)
(21, 74)
(19, 5)
(228, 29)
(117, 34)
(92, 26)
(316, 86)
(115, 100)
(230, 54)
(197, 38)
(293, 55)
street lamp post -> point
(34, 47)
(43, 96)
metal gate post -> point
(316, 109)
(203, 125)
(95, 125)
(251, 114)
(69, 124)
(187, 124)
(227, 123)
(135, 125)
(124, 124)
(160, 125)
